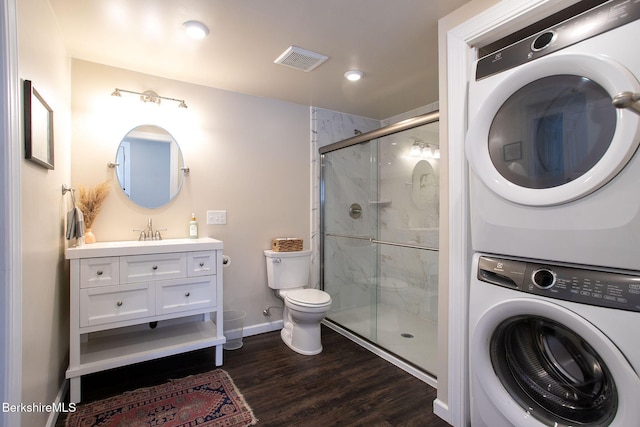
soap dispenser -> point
(193, 227)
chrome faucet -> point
(149, 233)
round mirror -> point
(149, 166)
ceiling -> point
(393, 42)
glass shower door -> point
(350, 259)
(380, 226)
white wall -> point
(247, 155)
(45, 325)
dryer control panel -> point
(594, 287)
(598, 20)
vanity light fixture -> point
(353, 75)
(195, 29)
(420, 149)
(150, 96)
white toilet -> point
(304, 309)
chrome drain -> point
(406, 335)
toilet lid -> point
(309, 297)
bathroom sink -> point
(137, 247)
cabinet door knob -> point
(99, 272)
(155, 267)
(119, 303)
(201, 264)
(186, 294)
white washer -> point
(552, 345)
(554, 172)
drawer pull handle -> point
(155, 267)
(99, 272)
(119, 303)
(186, 294)
(201, 264)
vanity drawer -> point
(201, 263)
(109, 304)
(142, 268)
(99, 272)
(174, 296)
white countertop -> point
(136, 247)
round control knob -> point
(543, 41)
(543, 278)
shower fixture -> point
(149, 96)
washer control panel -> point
(593, 287)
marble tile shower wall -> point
(406, 211)
(328, 127)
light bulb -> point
(195, 29)
(353, 75)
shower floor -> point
(409, 337)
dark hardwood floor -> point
(345, 385)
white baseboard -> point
(53, 415)
(261, 328)
(441, 409)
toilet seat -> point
(308, 297)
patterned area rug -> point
(209, 399)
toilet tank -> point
(287, 270)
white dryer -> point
(552, 345)
(554, 172)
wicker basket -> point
(286, 244)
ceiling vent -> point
(302, 59)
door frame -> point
(10, 246)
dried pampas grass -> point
(91, 201)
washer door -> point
(542, 364)
(549, 134)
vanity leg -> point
(218, 355)
(74, 390)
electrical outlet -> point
(216, 217)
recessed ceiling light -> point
(195, 29)
(353, 75)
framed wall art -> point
(38, 127)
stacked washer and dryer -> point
(554, 187)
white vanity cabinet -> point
(137, 301)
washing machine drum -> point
(554, 372)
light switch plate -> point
(216, 217)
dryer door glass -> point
(553, 373)
(552, 131)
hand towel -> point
(75, 224)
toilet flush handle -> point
(277, 260)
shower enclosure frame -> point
(401, 126)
